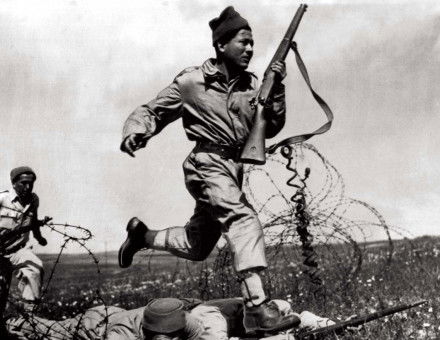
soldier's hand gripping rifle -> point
(254, 149)
(340, 327)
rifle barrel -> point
(284, 46)
(361, 320)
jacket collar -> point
(211, 71)
(13, 196)
(15, 199)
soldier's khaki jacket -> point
(212, 109)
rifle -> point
(358, 321)
(254, 149)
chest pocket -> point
(240, 106)
(8, 216)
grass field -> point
(412, 274)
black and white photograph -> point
(214, 170)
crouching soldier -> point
(18, 216)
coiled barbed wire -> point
(70, 233)
(321, 205)
(303, 221)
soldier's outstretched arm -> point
(149, 119)
(37, 232)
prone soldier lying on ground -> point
(160, 319)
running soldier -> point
(214, 101)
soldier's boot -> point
(138, 237)
(262, 316)
(267, 319)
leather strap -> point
(328, 112)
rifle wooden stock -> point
(358, 321)
(254, 149)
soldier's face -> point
(24, 186)
(239, 50)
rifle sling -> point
(328, 112)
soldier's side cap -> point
(228, 21)
(21, 170)
(164, 315)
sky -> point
(72, 71)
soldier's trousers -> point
(221, 207)
(29, 272)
